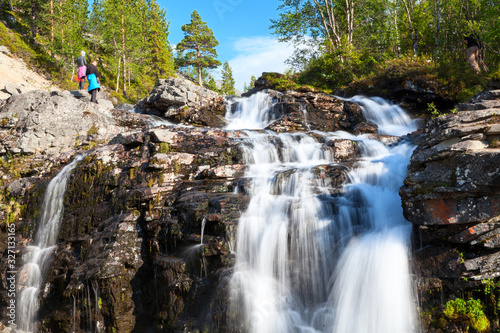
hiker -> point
(474, 53)
(81, 63)
(93, 78)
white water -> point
(390, 118)
(40, 253)
(311, 261)
(251, 113)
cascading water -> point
(311, 260)
(250, 113)
(39, 258)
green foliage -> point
(339, 68)
(280, 82)
(341, 42)
(93, 130)
(200, 43)
(227, 80)
(251, 85)
(432, 109)
(164, 148)
(211, 84)
(128, 38)
(470, 310)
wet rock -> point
(19, 187)
(344, 149)
(297, 111)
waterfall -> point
(309, 259)
(40, 253)
(249, 113)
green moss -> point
(164, 148)
(90, 146)
(93, 130)
(177, 168)
(470, 310)
(132, 173)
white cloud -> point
(257, 55)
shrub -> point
(470, 310)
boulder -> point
(181, 101)
(11, 89)
(5, 50)
(39, 121)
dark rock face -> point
(181, 101)
(452, 196)
(129, 256)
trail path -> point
(15, 72)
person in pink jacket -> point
(81, 63)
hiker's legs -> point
(81, 85)
(93, 95)
(473, 58)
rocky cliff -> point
(131, 256)
(452, 196)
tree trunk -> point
(198, 56)
(61, 18)
(409, 13)
(350, 19)
(437, 30)
(124, 75)
(397, 50)
(73, 67)
(118, 74)
(123, 56)
(200, 79)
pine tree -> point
(200, 43)
(161, 52)
(33, 11)
(227, 79)
(212, 85)
(252, 82)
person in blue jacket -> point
(93, 78)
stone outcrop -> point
(452, 196)
(412, 92)
(296, 111)
(42, 122)
(181, 101)
(318, 111)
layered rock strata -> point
(452, 196)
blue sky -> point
(242, 29)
